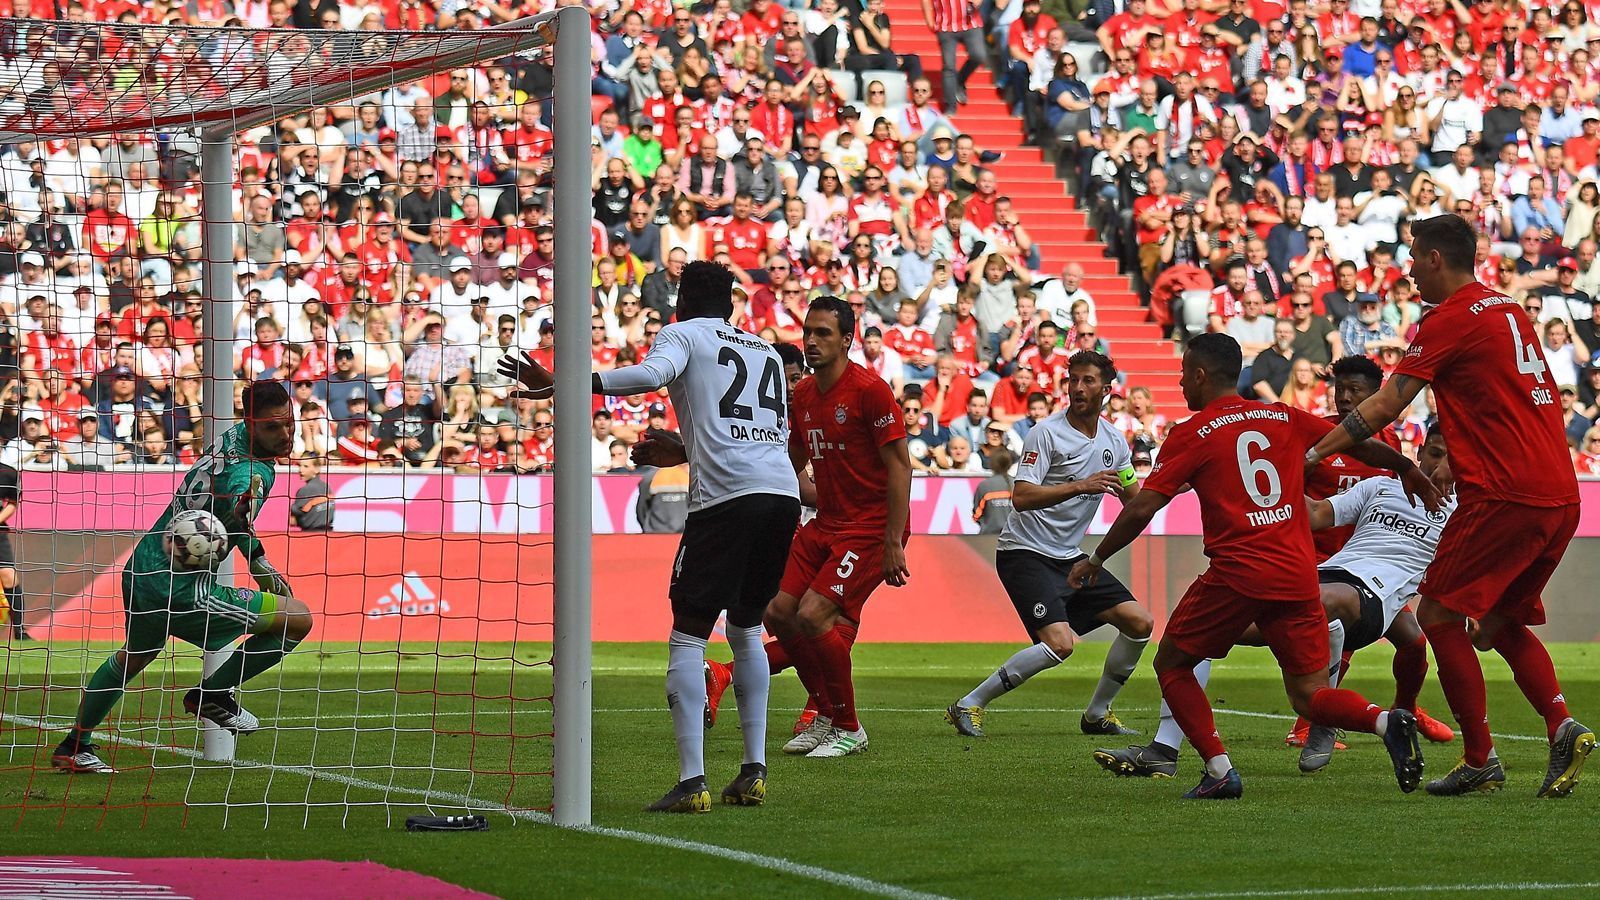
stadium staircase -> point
(1052, 217)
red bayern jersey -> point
(840, 431)
(1496, 398)
(1246, 462)
(1335, 475)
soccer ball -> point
(196, 539)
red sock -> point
(1344, 664)
(1339, 708)
(833, 654)
(777, 657)
(847, 630)
(809, 668)
(1535, 674)
(1462, 679)
(1192, 711)
(1410, 670)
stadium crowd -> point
(1255, 166)
(390, 251)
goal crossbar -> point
(234, 98)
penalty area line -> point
(429, 797)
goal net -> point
(202, 220)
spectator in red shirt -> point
(485, 453)
(946, 395)
(359, 447)
(136, 318)
(1009, 401)
(108, 232)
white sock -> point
(686, 695)
(1335, 651)
(1024, 664)
(1168, 733)
(1218, 766)
(752, 681)
(1383, 724)
(1121, 660)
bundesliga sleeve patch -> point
(1030, 457)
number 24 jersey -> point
(1246, 462)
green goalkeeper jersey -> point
(226, 482)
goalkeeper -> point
(231, 481)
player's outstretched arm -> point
(1376, 453)
(897, 459)
(1130, 523)
(1026, 495)
(1369, 418)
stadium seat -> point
(895, 89)
(844, 84)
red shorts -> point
(1210, 618)
(1496, 556)
(845, 568)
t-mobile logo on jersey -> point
(817, 444)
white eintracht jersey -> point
(728, 389)
(1393, 542)
(1054, 453)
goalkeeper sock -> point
(751, 685)
(99, 696)
(256, 655)
(686, 695)
(1168, 734)
(1121, 660)
(1024, 664)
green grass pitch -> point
(1024, 813)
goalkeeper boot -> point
(77, 758)
(1318, 749)
(749, 789)
(1151, 761)
(718, 677)
(1400, 739)
(807, 741)
(838, 742)
(1572, 745)
(1433, 729)
(690, 796)
(968, 720)
(221, 709)
(1107, 724)
(1465, 779)
(1228, 787)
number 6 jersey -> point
(1246, 462)
(728, 389)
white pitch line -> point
(631, 710)
(774, 863)
(1379, 889)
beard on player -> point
(829, 328)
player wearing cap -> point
(1069, 462)
(729, 392)
(1243, 460)
(1518, 499)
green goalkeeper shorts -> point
(161, 605)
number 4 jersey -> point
(728, 389)
(1246, 463)
(840, 432)
(1497, 400)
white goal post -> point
(353, 64)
